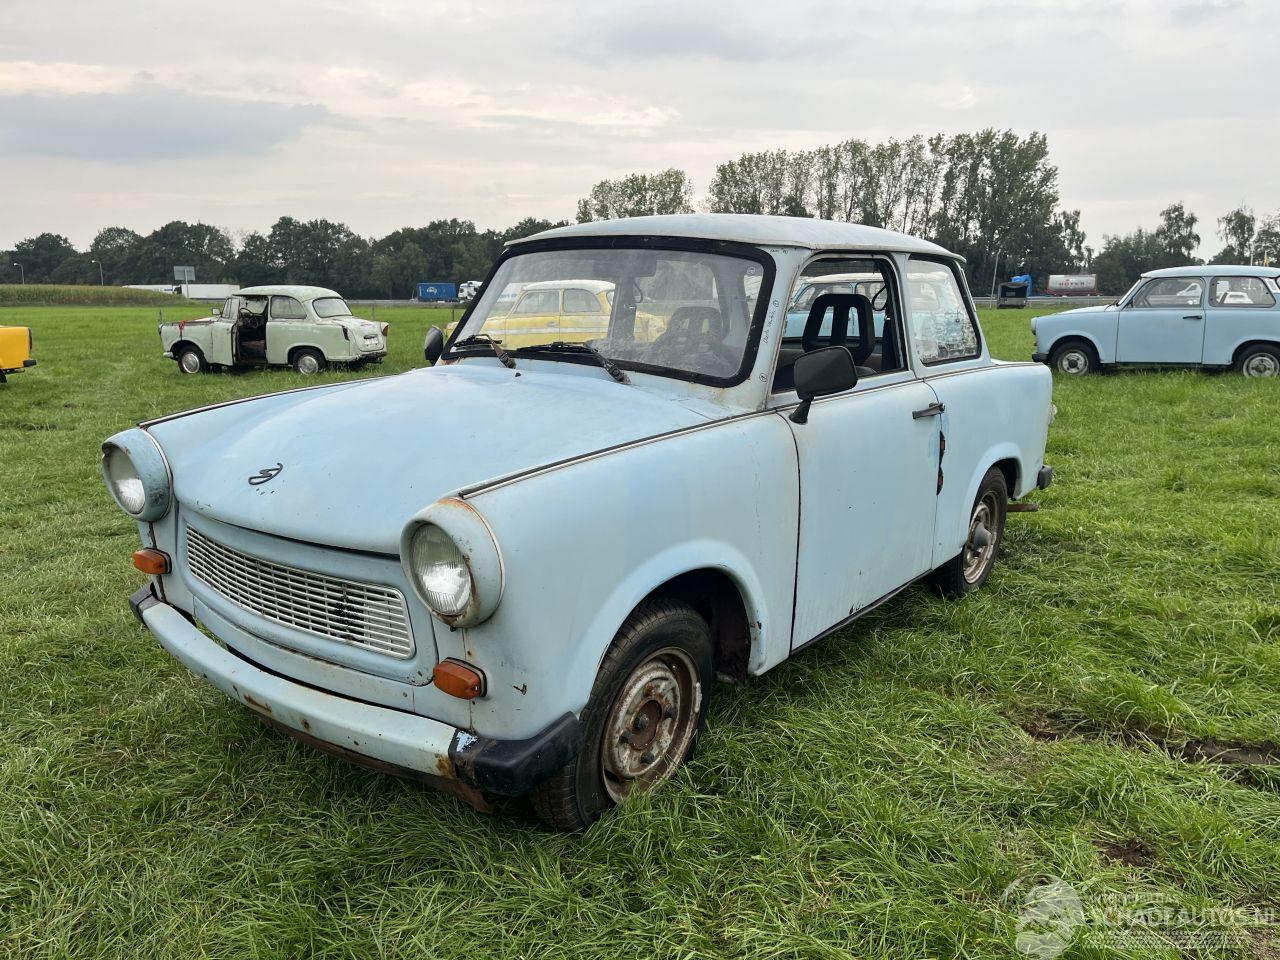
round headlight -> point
(441, 571)
(137, 474)
(123, 481)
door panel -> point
(868, 479)
(1163, 323)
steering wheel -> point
(696, 329)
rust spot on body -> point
(260, 707)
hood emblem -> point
(265, 474)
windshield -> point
(673, 312)
(327, 307)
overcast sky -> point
(387, 113)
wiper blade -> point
(565, 346)
(495, 347)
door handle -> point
(1194, 316)
(932, 410)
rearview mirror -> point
(819, 373)
(433, 345)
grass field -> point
(1106, 711)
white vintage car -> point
(572, 538)
(306, 328)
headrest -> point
(841, 304)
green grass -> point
(874, 796)
(48, 294)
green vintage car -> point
(306, 328)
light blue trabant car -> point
(572, 539)
(1215, 316)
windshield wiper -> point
(483, 339)
(565, 346)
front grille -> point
(362, 614)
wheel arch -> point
(298, 347)
(1245, 344)
(1076, 336)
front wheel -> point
(192, 361)
(308, 362)
(1260, 361)
(969, 570)
(642, 720)
(1074, 359)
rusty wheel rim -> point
(980, 545)
(1073, 362)
(651, 724)
(1262, 365)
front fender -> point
(1103, 340)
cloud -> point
(147, 123)
(1199, 11)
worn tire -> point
(307, 361)
(1260, 360)
(658, 632)
(958, 576)
(191, 360)
(1074, 358)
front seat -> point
(840, 305)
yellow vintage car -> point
(570, 310)
(15, 350)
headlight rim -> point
(475, 541)
(156, 502)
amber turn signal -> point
(458, 679)
(152, 561)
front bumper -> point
(1044, 478)
(371, 735)
(1040, 358)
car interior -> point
(250, 331)
(852, 325)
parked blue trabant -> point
(572, 538)
(1215, 316)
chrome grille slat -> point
(365, 615)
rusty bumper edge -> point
(373, 736)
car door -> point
(217, 348)
(287, 326)
(1163, 322)
(1240, 309)
(868, 461)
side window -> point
(1241, 292)
(942, 327)
(287, 308)
(581, 301)
(875, 342)
(227, 310)
(539, 302)
(1168, 292)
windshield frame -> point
(724, 248)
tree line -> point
(317, 252)
(991, 196)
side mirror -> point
(819, 373)
(215, 312)
(433, 345)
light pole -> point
(22, 273)
(101, 282)
(995, 267)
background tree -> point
(1236, 230)
(208, 249)
(1177, 234)
(1125, 258)
(40, 256)
(116, 248)
(638, 195)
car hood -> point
(357, 460)
(1081, 310)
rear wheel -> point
(1261, 361)
(191, 360)
(969, 570)
(308, 362)
(1074, 358)
(647, 705)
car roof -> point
(805, 232)
(287, 290)
(841, 278)
(596, 286)
(1215, 270)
